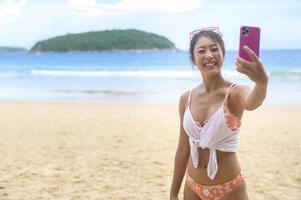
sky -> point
(25, 22)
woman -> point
(210, 119)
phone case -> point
(249, 36)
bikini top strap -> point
(189, 98)
(232, 86)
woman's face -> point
(208, 56)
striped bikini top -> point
(219, 132)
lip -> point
(210, 64)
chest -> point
(203, 107)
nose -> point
(208, 55)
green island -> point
(12, 49)
(108, 40)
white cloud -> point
(159, 5)
(88, 8)
(10, 10)
(296, 23)
(41, 19)
(93, 8)
(250, 6)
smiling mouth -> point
(210, 65)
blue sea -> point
(132, 76)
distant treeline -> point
(12, 49)
(105, 41)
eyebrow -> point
(206, 46)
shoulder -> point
(238, 94)
(183, 101)
(240, 90)
(236, 99)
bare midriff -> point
(228, 167)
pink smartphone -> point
(249, 36)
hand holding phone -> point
(249, 36)
(248, 61)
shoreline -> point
(123, 102)
(106, 51)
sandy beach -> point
(110, 151)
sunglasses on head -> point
(212, 28)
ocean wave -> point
(96, 91)
(160, 74)
(232, 74)
(8, 74)
(132, 73)
(292, 74)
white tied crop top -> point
(214, 134)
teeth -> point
(209, 64)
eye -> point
(201, 51)
(214, 49)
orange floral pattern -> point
(232, 121)
(213, 192)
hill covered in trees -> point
(107, 40)
(12, 49)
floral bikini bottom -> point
(213, 192)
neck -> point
(213, 83)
